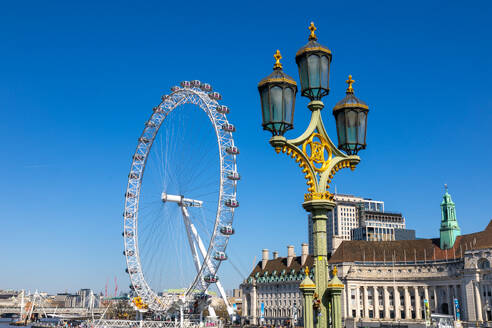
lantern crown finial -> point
(312, 36)
(277, 57)
(350, 90)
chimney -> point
(290, 254)
(304, 253)
(275, 255)
(264, 258)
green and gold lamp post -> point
(318, 157)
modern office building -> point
(377, 226)
(344, 218)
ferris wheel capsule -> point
(128, 215)
(196, 83)
(185, 84)
(131, 271)
(215, 95)
(228, 230)
(129, 194)
(222, 109)
(128, 253)
(228, 127)
(133, 175)
(127, 234)
(211, 279)
(206, 87)
(138, 157)
(233, 203)
(233, 176)
(232, 150)
(220, 256)
(175, 88)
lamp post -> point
(316, 154)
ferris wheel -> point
(180, 199)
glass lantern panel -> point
(288, 105)
(361, 128)
(265, 106)
(325, 71)
(340, 119)
(351, 126)
(303, 73)
(276, 105)
(314, 73)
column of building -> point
(386, 303)
(375, 302)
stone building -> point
(386, 281)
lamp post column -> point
(319, 210)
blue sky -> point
(79, 79)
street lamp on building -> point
(316, 154)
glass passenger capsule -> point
(127, 234)
(144, 140)
(227, 231)
(220, 256)
(185, 84)
(233, 203)
(215, 95)
(232, 150)
(129, 195)
(133, 175)
(175, 88)
(233, 176)
(128, 253)
(196, 83)
(138, 157)
(223, 109)
(132, 270)
(211, 279)
(128, 215)
(228, 127)
(206, 87)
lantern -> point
(277, 94)
(314, 61)
(351, 119)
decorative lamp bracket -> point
(316, 154)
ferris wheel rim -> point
(178, 97)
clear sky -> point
(79, 79)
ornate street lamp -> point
(318, 157)
(278, 95)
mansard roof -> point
(410, 250)
(280, 264)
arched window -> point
(483, 264)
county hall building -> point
(385, 281)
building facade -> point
(385, 281)
(377, 226)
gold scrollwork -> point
(318, 196)
(318, 149)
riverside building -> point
(385, 281)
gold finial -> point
(350, 82)
(306, 271)
(277, 57)
(312, 36)
(335, 271)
